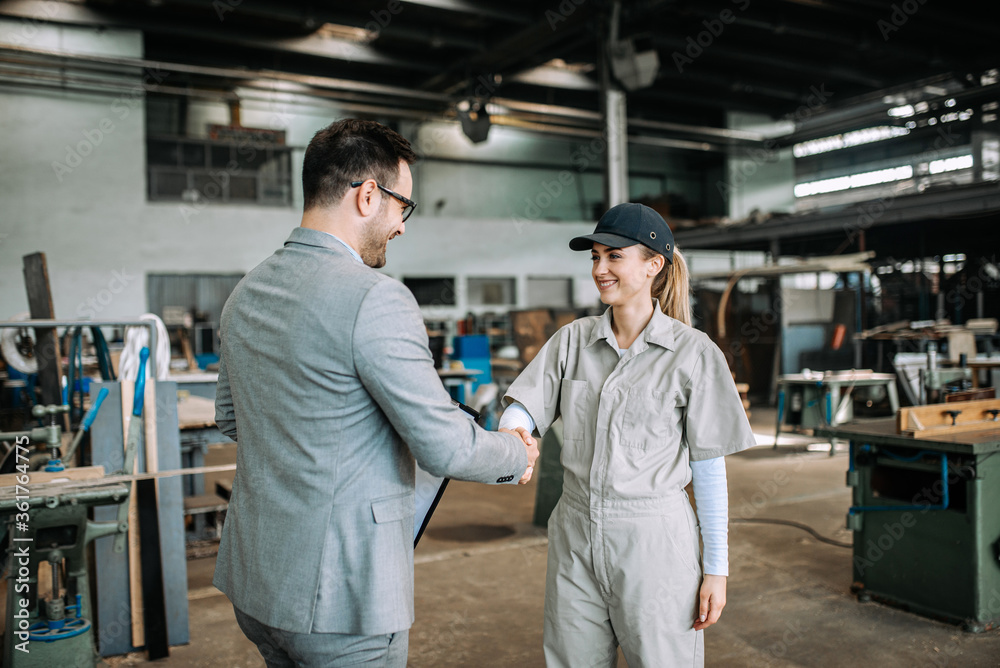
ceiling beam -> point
(316, 45)
(515, 50)
(741, 57)
(976, 199)
(483, 9)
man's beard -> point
(374, 240)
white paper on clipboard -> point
(429, 489)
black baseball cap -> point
(627, 225)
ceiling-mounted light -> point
(950, 164)
(634, 69)
(853, 181)
(475, 119)
(847, 140)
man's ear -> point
(364, 198)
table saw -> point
(926, 514)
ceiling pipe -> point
(369, 91)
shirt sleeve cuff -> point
(516, 415)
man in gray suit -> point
(327, 384)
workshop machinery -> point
(49, 618)
(924, 502)
(938, 380)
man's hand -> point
(713, 600)
(531, 446)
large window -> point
(545, 292)
(493, 291)
(227, 170)
(432, 291)
(192, 159)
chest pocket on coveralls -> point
(573, 408)
(650, 419)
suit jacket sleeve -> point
(225, 417)
(395, 365)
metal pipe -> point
(345, 85)
(233, 73)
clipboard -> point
(429, 489)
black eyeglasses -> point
(408, 204)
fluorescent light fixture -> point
(853, 181)
(950, 102)
(349, 33)
(950, 164)
(847, 139)
(959, 257)
(560, 64)
(904, 111)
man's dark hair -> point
(351, 150)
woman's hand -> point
(713, 600)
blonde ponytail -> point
(671, 287)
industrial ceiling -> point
(539, 60)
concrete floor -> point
(480, 573)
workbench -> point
(819, 398)
(196, 421)
(925, 520)
(460, 378)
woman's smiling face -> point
(622, 275)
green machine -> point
(47, 531)
(925, 521)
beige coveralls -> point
(624, 562)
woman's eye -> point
(615, 256)
(594, 258)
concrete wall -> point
(759, 178)
(73, 185)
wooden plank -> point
(960, 342)
(134, 554)
(36, 281)
(195, 413)
(970, 395)
(934, 415)
(186, 350)
(985, 426)
(113, 592)
(43, 477)
(204, 503)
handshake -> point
(530, 445)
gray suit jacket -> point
(327, 385)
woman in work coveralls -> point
(647, 403)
